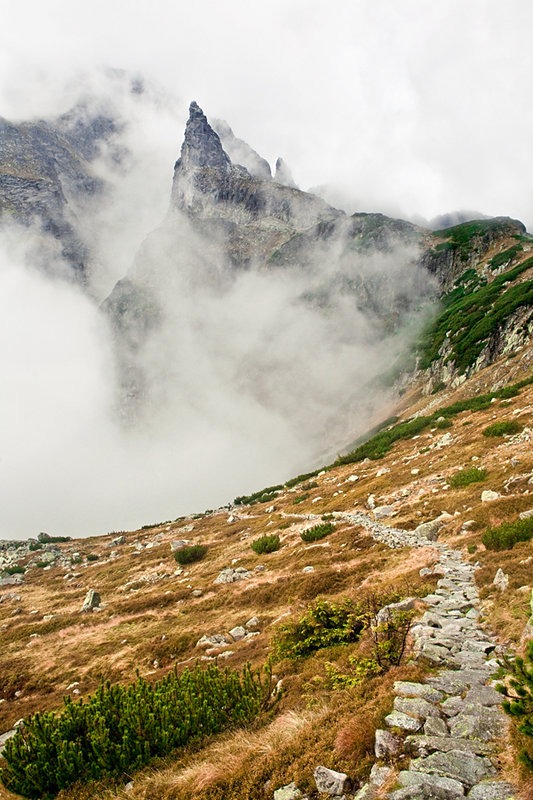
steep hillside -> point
(234, 604)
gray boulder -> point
(331, 782)
(230, 575)
(92, 601)
(386, 744)
(288, 792)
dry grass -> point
(159, 619)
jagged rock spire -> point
(283, 174)
(201, 146)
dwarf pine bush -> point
(266, 544)
(190, 553)
(467, 476)
(317, 532)
(120, 728)
(519, 698)
(505, 428)
(506, 535)
(323, 625)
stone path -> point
(450, 723)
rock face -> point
(45, 177)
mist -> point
(253, 376)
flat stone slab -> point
(492, 790)
(483, 696)
(425, 745)
(411, 689)
(403, 721)
(479, 723)
(467, 768)
(415, 707)
(430, 786)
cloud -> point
(408, 109)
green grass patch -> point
(506, 535)
(266, 544)
(317, 532)
(13, 569)
(506, 428)
(467, 476)
(380, 444)
(502, 258)
(190, 553)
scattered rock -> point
(501, 580)
(492, 790)
(386, 744)
(288, 792)
(526, 514)
(230, 575)
(253, 624)
(177, 544)
(308, 569)
(488, 496)
(467, 768)
(238, 633)
(92, 601)
(379, 775)
(331, 782)
(216, 640)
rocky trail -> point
(450, 724)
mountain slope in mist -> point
(252, 334)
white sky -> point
(407, 107)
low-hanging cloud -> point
(253, 375)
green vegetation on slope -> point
(120, 728)
(506, 535)
(519, 697)
(380, 444)
(467, 476)
(472, 311)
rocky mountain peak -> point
(201, 145)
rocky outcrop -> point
(240, 152)
(44, 171)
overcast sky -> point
(407, 107)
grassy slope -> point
(151, 619)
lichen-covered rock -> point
(331, 782)
(92, 601)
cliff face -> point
(44, 172)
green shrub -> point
(14, 569)
(300, 499)
(503, 428)
(35, 546)
(45, 538)
(92, 557)
(323, 625)
(317, 532)
(519, 697)
(472, 547)
(263, 496)
(467, 476)
(506, 535)
(444, 423)
(121, 728)
(266, 544)
(190, 553)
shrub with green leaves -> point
(506, 428)
(324, 624)
(121, 728)
(506, 535)
(317, 532)
(519, 697)
(467, 476)
(190, 553)
(266, 544)
(13, 569)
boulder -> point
(92, 601)
(331, 782)
(488, 496)
(237, 633)
(501, 580)
(288, 792)
(387, 744)
(253, 624)
(230, 575)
